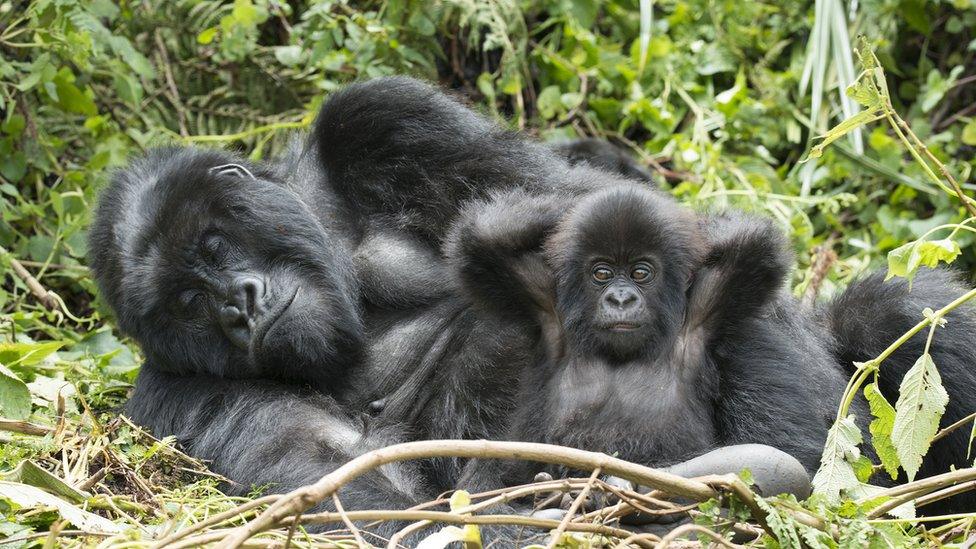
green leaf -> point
(27, 354)
(13, 166)
(840, 130)
(905, 260)
(969, 133)
(30, 473)
(288, 56)
(548, 102)
(15, 400)
(128, 88)
(207, 36)
(921, 403)
(28, 497)
(880, 428)
(836, 472)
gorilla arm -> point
(264, 433)
(745, 268)
(495, 250)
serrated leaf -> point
(931, 252)
(921, 403)
(836, 472)
(15, 399)
(840, 130)
(880, 428)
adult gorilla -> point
(247, 287)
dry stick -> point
(967, 202)
(825, 258)
(35, 287)
(694, 528)
(215, 519)
(913, 490)
(345, 519)
(572, 510)
(504, 495)
(945, 493)
(23, 427)
(436, 516)
(307, 496)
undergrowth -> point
(728, 103)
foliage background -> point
(711, 95)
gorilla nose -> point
(621, 298)
(247, 294)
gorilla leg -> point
(871, 314)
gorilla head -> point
(215, 267)
(623, 259)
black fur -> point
(240, 299)
(871, 314)
(605, 155)
(655, 371)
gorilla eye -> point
(602, 273)
(641, 272)
(189, 299)
(214, 246)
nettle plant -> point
(901, 434)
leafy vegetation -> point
(866, 159)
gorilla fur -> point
(686, 343)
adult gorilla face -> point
(215, 267)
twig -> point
(214, 520)
(345, 519)
(23, 427)
(572, 510)
(953, 427)
(455, 518)
(823, 261)
(913, 490)
(694, 528)
(174, 92)
(945, 493)
(307, 496)
(35, 287)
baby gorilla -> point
(656, 331)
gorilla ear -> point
(232, 169)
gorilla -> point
(605, 155)
(660, 336)
(335, 249)
(246, 308)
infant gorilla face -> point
(228, 273)
(624, 258)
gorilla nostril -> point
(621, 298)
(248, 294)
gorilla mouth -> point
(623, 327)
(273, 319)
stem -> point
(853, 387)
(307, 496)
